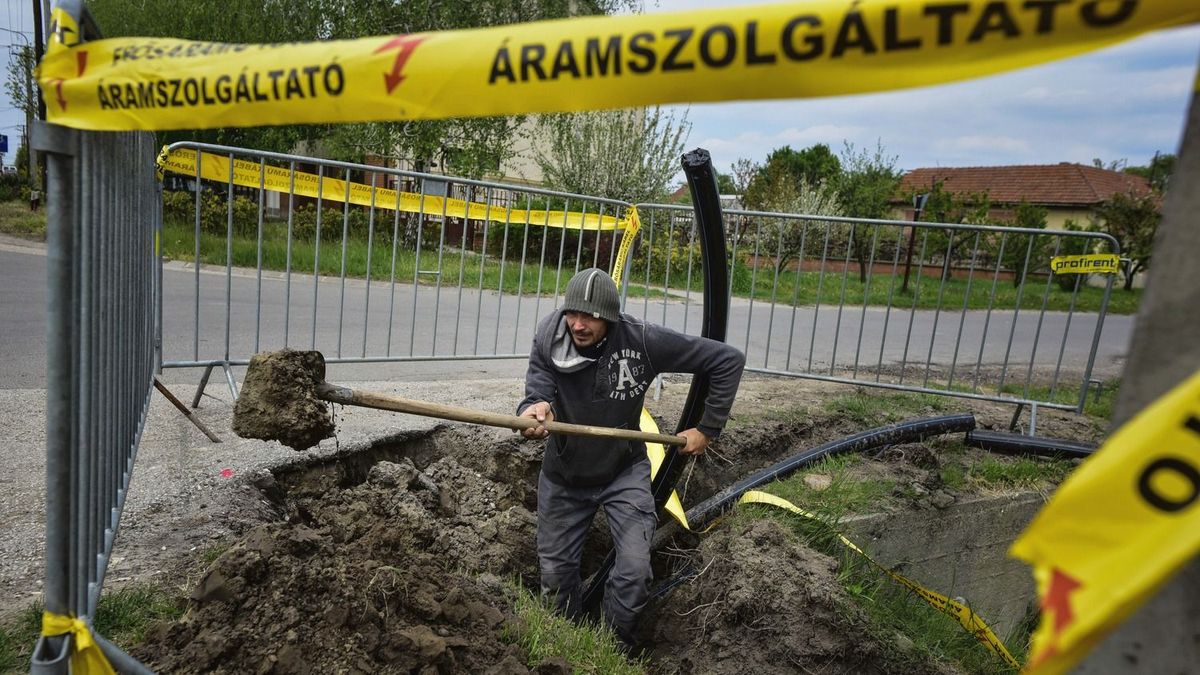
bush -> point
(180, 206)
(10, 187)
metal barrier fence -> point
(967, 310)
(367, 263)
(103, 216)
(309, 253)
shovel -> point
(284, 398)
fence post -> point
(60, 146)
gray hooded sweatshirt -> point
(607, 385)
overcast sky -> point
(1125, 102)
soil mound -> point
(765, 603)
(402, 573)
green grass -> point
(545, 634)
(122, 616)
(17, 637)
(875, 408)
(1099, 403)
(845, 493)
(808, 288)
(178, 243)
(17, 220)
(1016, 472)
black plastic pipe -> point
(904, 432)
(706, 203)
(1019, 444)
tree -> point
(865, 186)
(20, 76)
(785, 166)
(725, 184)
(1132, 220)
(1015, 256)
(628, 154)
(955, 208)
(1158, 172)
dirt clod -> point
(278, 400)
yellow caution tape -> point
(281, 179)
(1116, 530)
(1103, 263)
(818, 48)
(657, 453)
(86, 656)
(957, 610)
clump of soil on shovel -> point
(278, 401)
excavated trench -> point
(400, 556)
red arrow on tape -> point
(406, 44)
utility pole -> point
(1163, 636)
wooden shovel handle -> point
(367, 399)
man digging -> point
(590, 364)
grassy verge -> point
(546, 635)
(803, 289)
(877, 408)
(808, 288)
(17, 220)
(122, 616)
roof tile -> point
(1063, 184)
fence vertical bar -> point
(912, 315)
(862, 320)
(774, 295)
(312, 342)
(1037, 333)
(1087, 371)
(812, 340)
(196, 235)
(521, 271)
(412, 334)
(287, 267)
(787, 363)
(229, 258)
(1012, 329)
(937, 308)
(487, 215)
(258, 266)
(962, 319)
(837, 326)
(392, 274)
(988, 317)
(500, 284)
(370, 251)
(345, 240)
(468, 195)
(753, 282)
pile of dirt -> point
(403, 572)
(766, 603)
(278, 401)
(397, 557)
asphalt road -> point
(355, 320)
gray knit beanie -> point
(592, 291)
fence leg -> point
(230, 380)
(200, 387)
(162, 388)
(51, 655)
(1012, 425)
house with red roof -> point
(1067, 191)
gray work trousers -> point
(564, 518)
